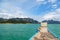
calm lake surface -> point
(24, 31)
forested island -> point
(26, 21)
(18, 20)
(51, 21)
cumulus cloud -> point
(52, 15)
(44, 1)
(13, 8)
(54, 6)
(7, 10)
(41, 2)
(52, 1)
(8, 15)
(49, 2)
(7, 7)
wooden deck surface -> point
(44, 36)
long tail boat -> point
(43, 33)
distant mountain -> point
(18, 20)
(51, 22)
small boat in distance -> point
(43, 33)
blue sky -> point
(36, 9)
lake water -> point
(54, 29)
(24, 31)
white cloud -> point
(58, 11)
(41, 2)
(7, 7)
(49, 16)
(36, 3)
(54, 6)
(45, 1)
(52, 15)
(7, 10)
(52, 1)
(8, 15)
(55, 15)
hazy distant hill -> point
(18, 20)
(51, 22)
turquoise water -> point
(24, 31)
(55, 29)
(17, 31)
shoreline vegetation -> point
(18, 21)
(52, 21)
(25, 21)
